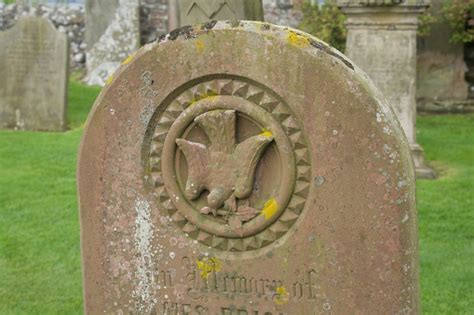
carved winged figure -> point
(224, 168)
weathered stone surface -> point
(112, 34)
(382, 41)
(245, 168)
(199, 11)
(33, 76)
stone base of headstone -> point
(382, 41)
(421, 169)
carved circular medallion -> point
(229, 163)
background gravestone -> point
(381, 39)
(198, 11)
(258, 171)
(440, 63)
(33, 76)
(112, 34)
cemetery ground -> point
(40, 266)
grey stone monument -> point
(441, 66)
(33, 76)
(112, 34)
(381, 39)
(198, 11)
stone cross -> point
(381, 40)
(112, 35)
(33, 76)
(198, 11)
(245, 168)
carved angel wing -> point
(246, 155)
(197, 156)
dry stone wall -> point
(153, 21)
(283, 12)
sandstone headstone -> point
(112, 34)
(381, 39)
(245, 168)
(33, 76)
(199, 11)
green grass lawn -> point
(40, 266)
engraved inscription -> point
(240, 311)
(198, 288)
(25, 61)
(173, 308)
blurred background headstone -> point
(33, 76)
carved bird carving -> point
(224, 168)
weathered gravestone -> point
(112, 34)
(381, 39)
(199, 11)
(33, 76)
(245, 168)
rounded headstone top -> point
(241, 166)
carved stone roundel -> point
(229, 163)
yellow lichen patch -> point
(209, 96)
(212, 96)
(207, 265)
(199, 44)
(109, 79)
(297, 40)
(282, 296)
(128, 59)
(270, 208)
(266, 133)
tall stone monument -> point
(33, 76)
(440, 63)
(257, 171)
(199, 11)
(112, 34)
(381, 39)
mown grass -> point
(40, 267)
(446, 215)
